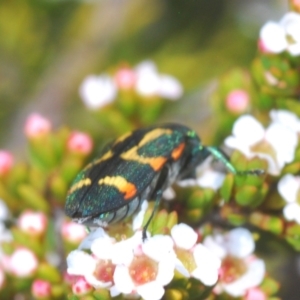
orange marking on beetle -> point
(157, 162)
(176, 153)
(119, 182)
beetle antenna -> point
(223, 158)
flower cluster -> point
(282, 36)
(133, 267)
(144, 79)
(276, 144)
(241, 271)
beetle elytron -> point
(137, 166)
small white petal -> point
(286, 118)
(288, 187)
(216, 248)
(273, 37)
(292, 212)
(291, 23)
(273, 167)
(208, 265)
(252, 278)
(205, 258)
(97, 284)
(87, 242)
(80, 263)
(284, 142)
(169, 87)
(122, 253)
(248, 130)
(97, 91)
(114, 291)
(169, 194)
(148, 84)
(207, 276)
(181, 268)
(184, 236)
(145, 67)
(294, 49)
(158, 247)
(239, 242)
(166, 270)
(151, 291)
(235, 143)
(211, 179)
(102, 247)
(122, 280)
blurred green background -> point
(47, 47)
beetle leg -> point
(157, 195)
(222, 157)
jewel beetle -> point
(138, 165)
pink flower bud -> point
(262, 47)
(23, 262)
(41, 288)
(36, 126)
(81, 287)
(73, 232)
(80, 142)
(34, 223)
(6, 161)
(237, 101)
(70, 278)
(2, 278)
(255, 294)
(125, 78)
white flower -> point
(276, 144)
(34, 223)
(149, 83)
(202, 264)
(285, 35)
(97, 268)
(288, 188)
(149, 270)
(22, 262)
(73, 232)
(97, 91)
(240, 270)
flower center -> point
(104, 271)
(187, 259)
(143, 270)
(232, 268)
(264, 147)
